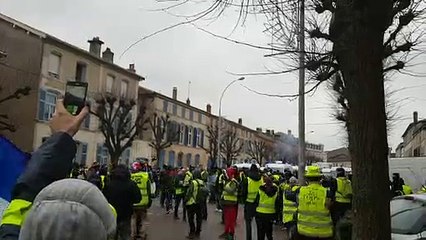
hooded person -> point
(268, 202)
(69, 209)
(229, 201)
(249, 190)
(121, 192)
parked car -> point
(408, 217)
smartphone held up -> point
(75, 96)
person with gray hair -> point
(45, 205)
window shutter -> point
(202, 139)
(99, 152)
(83, 153)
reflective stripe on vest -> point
(313, 219)
(344, 189)
(252, 189)
(232, 197)
(266, 203)
(141, 179)
(178, 191)
(16, 211)
(102, 181)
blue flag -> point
(12, 164)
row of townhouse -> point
(45, 63)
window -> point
(54, 64)
(165, 106)
(102, 154)
(80, 72)
(44, 139)
(189, 135)
(191, 115)
(198, 137)
(109, 83)
(201, 143)
(124, 88)
(182, 134)
(416, 152)
(200, 117)
(183, 112)
(81, 155)
(174, 109)
(47, 104)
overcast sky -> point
(185, 54)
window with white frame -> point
(102, 154)
(198, 140)
(189, 135)
(54, 64)
(165, 106)
(80, 72)
(47, 103)
(109, 83)
(182, 134)
(124, 88)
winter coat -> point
(255, 176)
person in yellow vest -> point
(141, 178)
(179, 192)
(268, 204)
(422, 190)
(229, 202)
(289, 207)
(313, 211)
(249, 190)
(186, 182)
(192, 201)
(406, 189)
(342, 189)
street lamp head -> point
(241, 78)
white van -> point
(412, 170)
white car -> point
(408, 217)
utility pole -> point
(301, 41)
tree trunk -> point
(360, 53)
(114, 160)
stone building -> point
(46, 63)
(414, 139)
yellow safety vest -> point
(422, 190)
(178, 191)
(266, 203)
(407, 189)
(187, 179)
(289, 207)
(252, 189)
(192, 199)
(276, 177)
(233, 196)
(313, 219)
(142, 179)
(344, 190)
(102, 181)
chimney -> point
(240, 121)
(174, 95)
(259, 129)
(108, 55)
(188, 101)
(209, 108)
(273, 132)
(415, 117)
(268, 132)
(95, 46)
(288, 132)
(132, 68)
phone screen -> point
(75, 97)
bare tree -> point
(164, 133)
(211, 149)
(117, 124)
(257, 150)
(5, 123)
(230, 146)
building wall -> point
(20, 68)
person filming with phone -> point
(47, 206)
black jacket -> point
(255, 176)
(51, 162)
(121, 192)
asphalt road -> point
(161, 226)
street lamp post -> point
(219, 125)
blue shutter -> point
(99, 152)
(41, 104)
(83, 158)
(194, 142)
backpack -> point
(203, 192)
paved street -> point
(164, 227)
